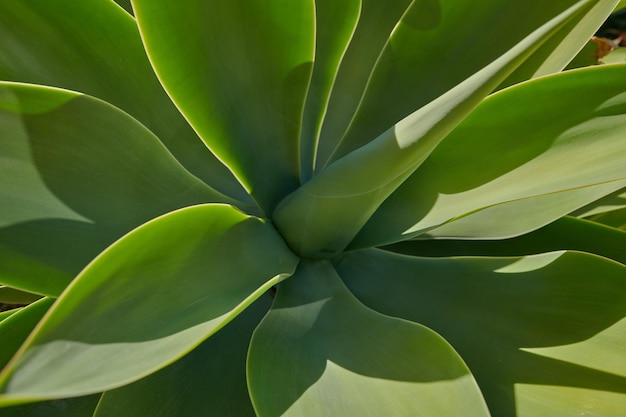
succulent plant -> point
(310, 208)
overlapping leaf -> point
(321, 352)
(352, 188)
(93, 46)
(541, 334)
(239, 73)
(210, 380)
(434, 47)
(76, 174)
(567, 233)
(167, 286)
(533, 166)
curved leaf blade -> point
(167, 285)
(335, 23)
(376, 23)
(553, 320)
(76, 174)
(15, 329)
(209, 381)
(532, 153)
(40, 40)
(567, 233)
(239, 72)
(420, 60)
(350, 190)
(313, 355)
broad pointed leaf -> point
(567, 233)
(76, 174)
(94, 47)
(335, 24)
(376, 23)
(209, 381)
(15, 329)
(239, 72)
(557, 52)
(539, 162)
(208, 261)
(351, 189)
(540, 333)
(437, 45)
(321, 352)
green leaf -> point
(335, 24)
(567, 233)
(10, 295)
(167, 286)
(15, 329)
(545, 330)
(93, 46)
(611, 202)
(70, 407)
(557, 52)
(436, 46)
(8, 313)
(76, 174)
(376, 22)
(321, 352)
(352, 188)
(528, 168)
(615, 218)
(125, 4)
(239, 73)
(209, 381)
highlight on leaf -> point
(305, 208)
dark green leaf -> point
(543, 334)
(94, 47)
(239, 73)
(209, 381)
(166, 286)
(76, 174)
(319, 352)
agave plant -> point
(310, 208)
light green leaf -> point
(530, 167)
(239, 72)
(77, 173)
(15, 329)
(335, 23)
(321, 352)
(553, 320)
(8, 313)
(611, 202)
(351, 189)
(209, 381)
(94, 47)
(437, 45)
(376, 22)
(557, 52)
(167, 286)
(566, 233)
